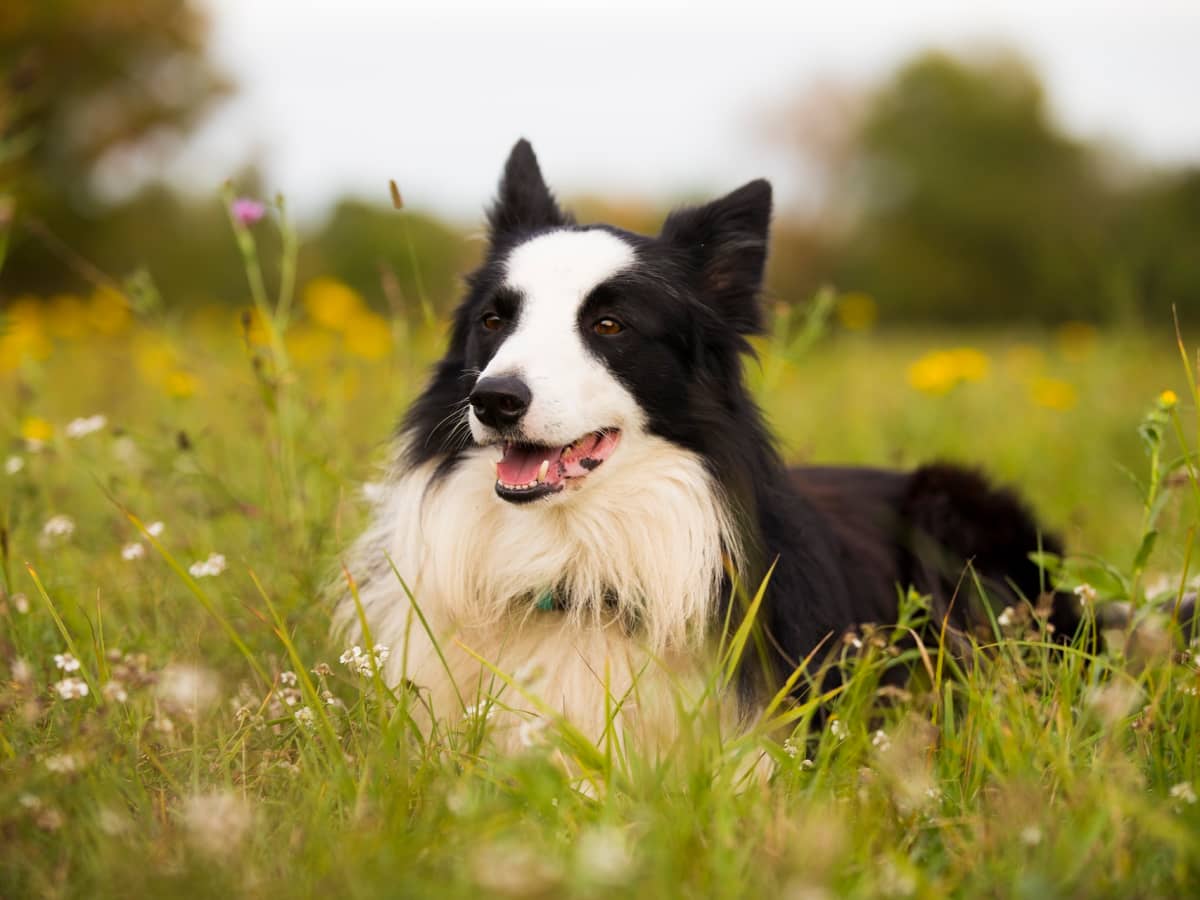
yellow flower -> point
(66, 317)
(1167, 399)
(1053, 393)
(309, 346)
(34, 429)
(331, 303)
(21, 334)
(179, 383)
(154, 357)
(1076, 340)
(368, 336)
(857, 311)
(939, 371)
(108, 311)
(252, 326)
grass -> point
(1031, 773)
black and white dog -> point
(571, 492)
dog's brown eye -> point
(492, 322)
(608, 327)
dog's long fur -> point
(635, 555)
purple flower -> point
(246, 211)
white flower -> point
(1183, 791)
(71, 688)
(59, 526)
(66, 662)
(14, 464)
(216, 823)
(288, 678)
(604, 855)
(155, 529)
(1031, 835)
(880, 741)
(838, 728)
(21, 603)
(305, 717)
(360, 662)
(806, 764)
(1086, 593)
(531, 731)
(115, 690)
(62, 763)
(214, 565)
(135, 550)
(80, 428)
(22, 671)
(1006, 617)
(790, 748)
(188, 688)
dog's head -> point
(575, 340)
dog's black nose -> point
(500, 401)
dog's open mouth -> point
(529, 471)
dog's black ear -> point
(524, 202)
(725, 242)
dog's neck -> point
(639, 547)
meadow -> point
(176, 719)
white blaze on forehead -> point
(555, 272)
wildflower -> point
(941, 371)
(1086, 594)
(331, 304)
(1184, 792)
(59, 526)
(36, 433)
(482, 711)
(838, 728)
(155, 529)
(71, 688)
(305, 717)
(22, 671)
(81, 428)
(604, 855)
(115, 690)
(135, 550)
(790, 748)
(368, 336)
(1005, 619)
(288, 679)
(66, 662)
(62, 763)
(806, 764)
(360, 662)
(216, 823)
(179, 383)
(208, 568)
(1031, 835)
(880, 740)
(1053, 393)
(322, 670)
(108, 311)
(188, 688)
(246, 211)
(13, 465)
(1167, 399)
(21, 603)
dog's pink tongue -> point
(521, 463)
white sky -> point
(635, 98)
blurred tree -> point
(969, 204)
(85, 84)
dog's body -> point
(586, 467)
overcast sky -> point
(635, 98)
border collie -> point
(585, 480)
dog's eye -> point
(608, 327)
(492, 322)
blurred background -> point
(939, 162)
(1004, 198)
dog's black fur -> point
(844, 541)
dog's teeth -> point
(545, 467)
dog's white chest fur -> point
(634, 561)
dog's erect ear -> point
(524, 202)
(726, 243)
